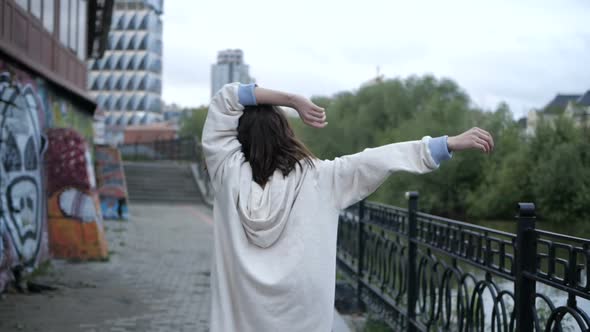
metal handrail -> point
(422, 272)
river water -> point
(573, 228)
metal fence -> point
(420, 272)
(180, 149)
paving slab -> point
(156, 279)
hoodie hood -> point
(264, 211)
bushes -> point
(551, 168)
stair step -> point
(167, 198)
(163, 193)
(161, 182)
(151, 194)
(140, 196)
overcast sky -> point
(519, 51)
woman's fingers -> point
(311, 114)
(479, 146)
(316, 116)
(475, 138)
(318, 109)
(481, 142)
(317, 124)
(486, 136)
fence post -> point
(412, 273)
(361, 257)
(526, 261)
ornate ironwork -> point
(421, 272)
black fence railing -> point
(420, 272)
(180, 149)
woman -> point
(276, 207)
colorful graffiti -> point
(111, 183)
(23, 232)
(75, 219)
(64, 115)
(29, 105)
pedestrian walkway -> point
(156, 279)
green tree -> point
(399, 110)
(550, 168)
(506, 173)
(560, 174)
(192, 122)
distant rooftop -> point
(561, 100)
(235, 56)
(584, 100)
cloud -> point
(522, 52)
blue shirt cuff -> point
(439, 150)
(246, 95)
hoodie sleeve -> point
(220, 132)
(351, 178)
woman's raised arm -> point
(351, 178)
(220, 132)
(310, 113)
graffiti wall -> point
(22, 199)
(110, 178)
(29, 106)
(75, 219)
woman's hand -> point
(310, 113)
(474, 138)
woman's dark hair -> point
(269, 143)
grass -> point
(376, 325)
(42, 270)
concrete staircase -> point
(169, 182)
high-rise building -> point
(127, 81)
(230, 67)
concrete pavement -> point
(156, 279)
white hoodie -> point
(275, 247)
